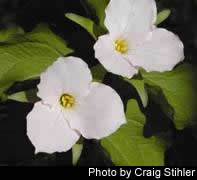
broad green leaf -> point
(28, 61)
(180, 91)
(140, 87)
(42, 34)
(128, 147)
(98, 8)
(76, 153)
(6, 34)
(98, 73)
(86, 23)
(162, 16)
(27, 57)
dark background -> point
(16, 149)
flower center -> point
(67, 101)
(121, 46)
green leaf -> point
(20, 96)
(25, 96)
(128, 147)
(140, 87)
(86, 23)
(97, 7)
(98, 73)
(8, 33)
(179, 89)
(162, 16)
(26, 57)
(42, 34)
(76, 153)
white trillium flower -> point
(134, 41)
(72, 105)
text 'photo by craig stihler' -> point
(131, 173)
(99, 83)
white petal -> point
(67, 75)
(49, 131)
(161, 53)
(113, 61)
(101, 113)
(130, 18)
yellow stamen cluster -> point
(121, 46)
(67, 101)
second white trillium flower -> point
(134, 41)
(72, 105)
